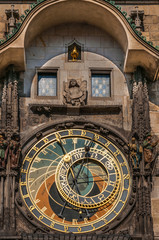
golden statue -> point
(74, 54)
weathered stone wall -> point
(101, 51)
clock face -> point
(75, 181)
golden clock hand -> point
(58, 138)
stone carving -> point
(135, 153)
(9, 151)
(148, 149)
(75, 92)
(137, 17)
(3, 151)
(140, 108)
(14, 151)
(12, 16)
(10, 124)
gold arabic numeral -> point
(28, 159)
(23, 183)
(52, 224)
(123, 164)
(31, 208)
(24, 170)
(79, 229)
(115, 212)
(126, 176)
(85, 220)
(116, 153)
(107, 144)
(65, 228)
(70, 132)
(106, 222)
(74, 221)
(45, 140)
(93, 227)
(44, 151)
(96, 137)
(83, 133)
(41, 217)
(26, 196)
(35, 148)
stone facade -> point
(132, 66)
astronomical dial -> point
(75, 181)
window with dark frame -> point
(47, 84)
(100, 84)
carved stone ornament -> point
(140, 108)
(141, 151)
(149, 150)
(10, 124)
(75, 92)
(12, 17)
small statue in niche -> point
(74, 54)
(14, 151)
(148, 147)
(75, 92)
(135, 152)
(3, 151)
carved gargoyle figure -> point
(148, 149)
(3, 151)
(75, 92)
(14, 151)
(135, 152)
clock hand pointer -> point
(60, 143)
(87, 154)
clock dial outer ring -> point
(109, 216)
(104, 198)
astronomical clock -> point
(75, 181)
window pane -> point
(100, 85)
(47, 84)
